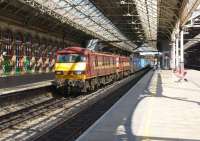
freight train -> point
(80, 69)
(140, 63)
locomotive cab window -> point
(70, 58)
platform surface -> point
(13, 81)
(163, 110)
(25, 87)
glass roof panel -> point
(85, 14)
(147, 10)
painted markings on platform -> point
(148, 115)
(154, 85)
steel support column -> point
(177, 53)
(163, 61)
(182, 52)
(174, 55)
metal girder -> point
(166, 14)
(110, 32)
(188, 8)
(156, 18)
(147, 9)
(122, 15)
(168, 17)
(190, 43)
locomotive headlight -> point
(79, 72)
(59, 72)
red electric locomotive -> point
(85, 70)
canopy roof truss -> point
(142, 21)
(148, 12)
(122, 23)
(83, 15)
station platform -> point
(21, 80)
(158, 108)
(25, 87)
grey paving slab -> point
(115, 124)
(174, 113)
(164, 110)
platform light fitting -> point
(122, 2)
(134, 23)
(138, 31)
(127, 15)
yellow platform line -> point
(148, 115)
(148, 122)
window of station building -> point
(7, 36)
(27, 38)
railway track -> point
(35, 121)
(14, 118)
(16, 102)
(74, 127)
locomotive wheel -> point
(103, 81)
(92, 85)
(97, 83)
(84, 89)
(69, 90)
(63, 90)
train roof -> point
(74, 50)
(84, 51)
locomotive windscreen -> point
(70, 58)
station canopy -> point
(126, 24)
(84, 15)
